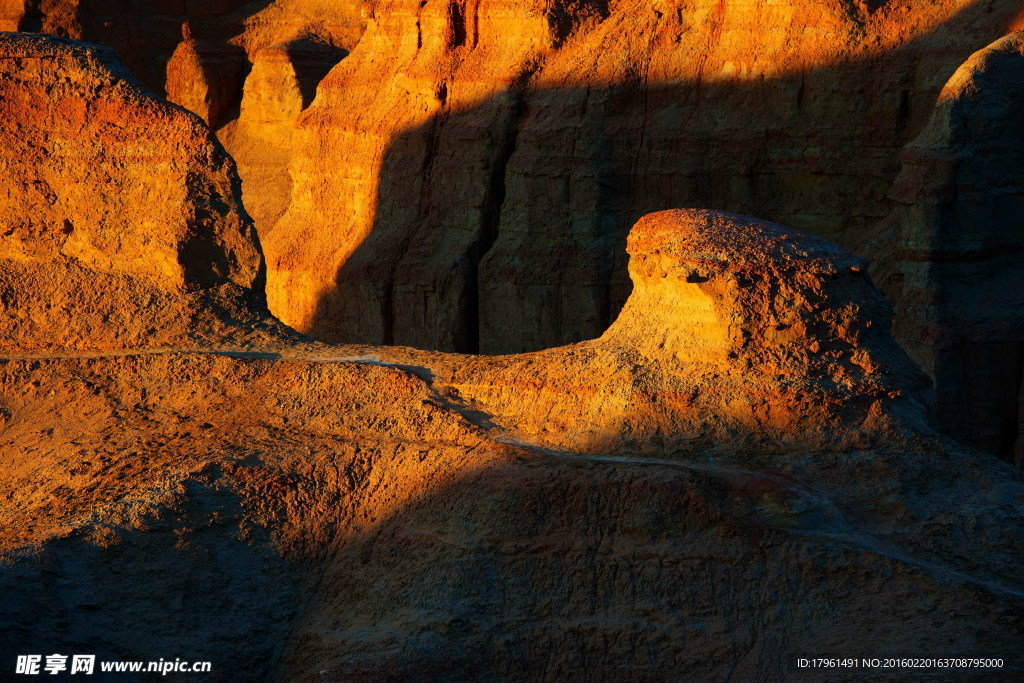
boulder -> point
(739, 333)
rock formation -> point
(478, 184)
(447, 227)
(121, 223)
(146, 34)
(200, 53)
(951, 257)
(692, 492)
(282, 83)
(206, 77)
(779, 334)
(739, 472)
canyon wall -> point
(951, 256)
(466, 177)
(691, 492)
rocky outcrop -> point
(377, 258)
(143, 34)
(247, 68)
(147, 34)
(473, 191)
(282, 83)
(206, 77)
(737, 331)
(951, 256)
(122, 223)
(696, 490)
(350, 513)
(446, 226)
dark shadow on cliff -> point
(192, 582)
(477, 274)
(145, 40)
(563, 566)
(521, 564)
(952, 256)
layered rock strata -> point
(695, 491)
(473, 190)
(282, 83)
(951, 256)
(147, 34)
(200, 54)
(122, 223)
(392, 513)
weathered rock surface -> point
(206, 77)
(200, 53)
(282, 83)
(146, 34)
(738, 473)
(336, 515)
(777, 333)
(121, 223)
(951, 256)
(469, 173)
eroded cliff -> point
(122, 223)
(951, 256)
(740, 471)
(467, 176)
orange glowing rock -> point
(737, 331)
(122, 224)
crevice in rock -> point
(32, 20)
(456, 25)
(563, 20)
(312, 61)
(903, 112)
(491, 217)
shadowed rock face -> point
(473, 190)
(121, 224)
(628, 504)
(951, 257)
(695, 491)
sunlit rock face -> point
(121, 220)
(201, 54)
(951, 257)
(737, 331)
(690, 492)
(467, 180)
(473, 189)
(146, 34)
(282, 83)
